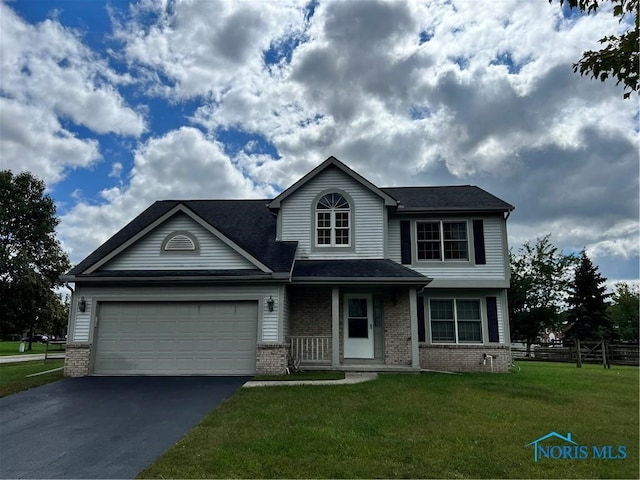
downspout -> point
(70, 309)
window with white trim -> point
(333, 220)
(455, 321)
(442, 241)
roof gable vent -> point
(180, 242)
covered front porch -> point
(362, 323)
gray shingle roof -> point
(252, 226)
(461, 197)
(360, 269)
(248, 223)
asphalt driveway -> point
(102, 427)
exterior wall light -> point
(82, 305)
(270, 303)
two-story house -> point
(334, 272)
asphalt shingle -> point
(461, 197)
(355, 268)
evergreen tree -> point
(588, 316)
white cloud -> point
(490, 98)
(32, 139)
(116, 170)
(183, 164)
(49, 76)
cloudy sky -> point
(117, 104)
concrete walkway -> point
(27, 357)
(349, 378)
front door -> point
(358, 326)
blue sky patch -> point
(507, 60)
(426, 35)
(236, 140)
(282, 50)
(419, 112)
(462, 62)
(310, 10)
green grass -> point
(13, 348)
(13, 376)
(417, 426)
(302, 376)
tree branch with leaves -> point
(619, 56)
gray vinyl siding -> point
(297, 211)
(494, 269)
(145, 254)
(394, 250)
(80, 329)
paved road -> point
(102, 427)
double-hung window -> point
(442, 240)
(455, 321)
(333, 218)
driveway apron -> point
(102, 427)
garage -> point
(176, 338)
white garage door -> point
(176, 338)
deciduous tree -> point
(619, 56)
(624, 311)
(540, 275)
(31, 258)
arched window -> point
(180, 242)
(333, 221)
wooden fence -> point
(590, 352)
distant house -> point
(335, 272)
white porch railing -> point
(311, 349)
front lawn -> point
(13, 376)
(418, 426)
(13, 348)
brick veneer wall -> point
(310, 311)
(77, 360)
(464, 358)
(397, 329)
(271, 358)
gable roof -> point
(453, 198)
(333, 162)
(247, 223)
(179, 208)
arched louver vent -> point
(180, 242)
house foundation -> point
(465, 358)
(271, 358)
(77, 360)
